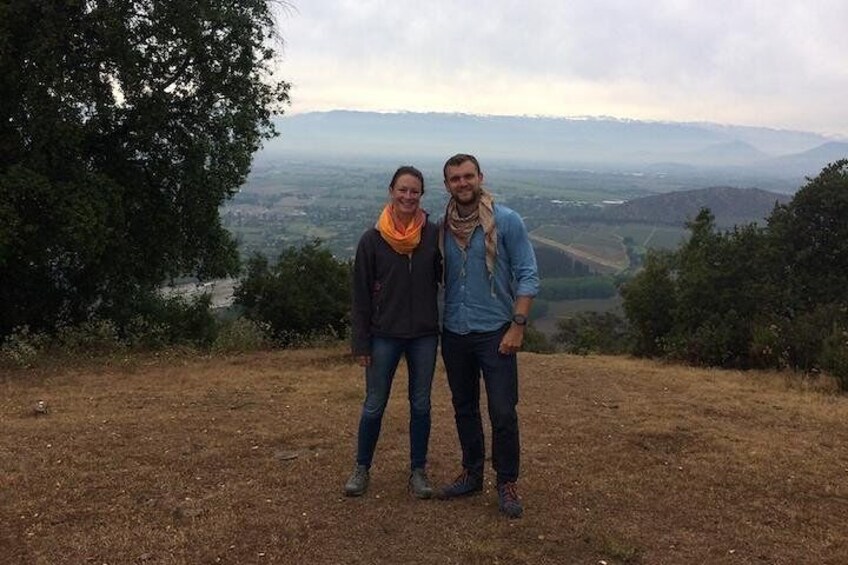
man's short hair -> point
(459, 159)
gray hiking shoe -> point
(357, 484)
(419, 485)
(508, 501)
(465, 484)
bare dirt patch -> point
(242, 460)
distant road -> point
(220, 291)
(581, 255)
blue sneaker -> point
(508, 501)
(465, 484)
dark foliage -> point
(593, 332)
(123, 127)
(306, 293)
(572, 288)
(557, 264)
(764, 297)
(649, 303)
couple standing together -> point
(482, 253)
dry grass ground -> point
(242, 460)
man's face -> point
(464, 182)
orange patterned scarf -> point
(402, 238)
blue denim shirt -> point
(473, 301)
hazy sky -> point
(775, 63)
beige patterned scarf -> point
(463, 227)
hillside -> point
(196, 459)
(731, 206)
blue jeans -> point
(466, 357)
(386, 352)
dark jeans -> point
(386, 352)
(466, 356)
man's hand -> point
(512, 340)
(363, 360)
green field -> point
(656, 237)
(593, 244)
(291, 202)
(608, 238)
(566, 308)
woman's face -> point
(406, 194)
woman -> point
(395, 281)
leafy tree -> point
(812, 233)
(649, 303)
(307, 292)
(722, 288)
(766, 297)
(124, 125)
(809, 248)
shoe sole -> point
(355, 492)
(441, 495)
(422, 495)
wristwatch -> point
(519, 319)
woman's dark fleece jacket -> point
(395, 295)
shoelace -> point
(509, 493)
(461, 479)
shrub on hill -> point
(593, 332)
(754, 297)
(536, 341)
(156, 323)
(306, 293)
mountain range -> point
(610, 143)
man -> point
(490, 281)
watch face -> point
(519, 319)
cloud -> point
(777, 63)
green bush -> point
(806, 334)
(160, 322)
(536, 342)
(650, 300)
(93, 336)
(834, 355)
(241, 335)
(21, 348)
(594, 332)
(303, 297)
(768, 346)
(712, 343)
